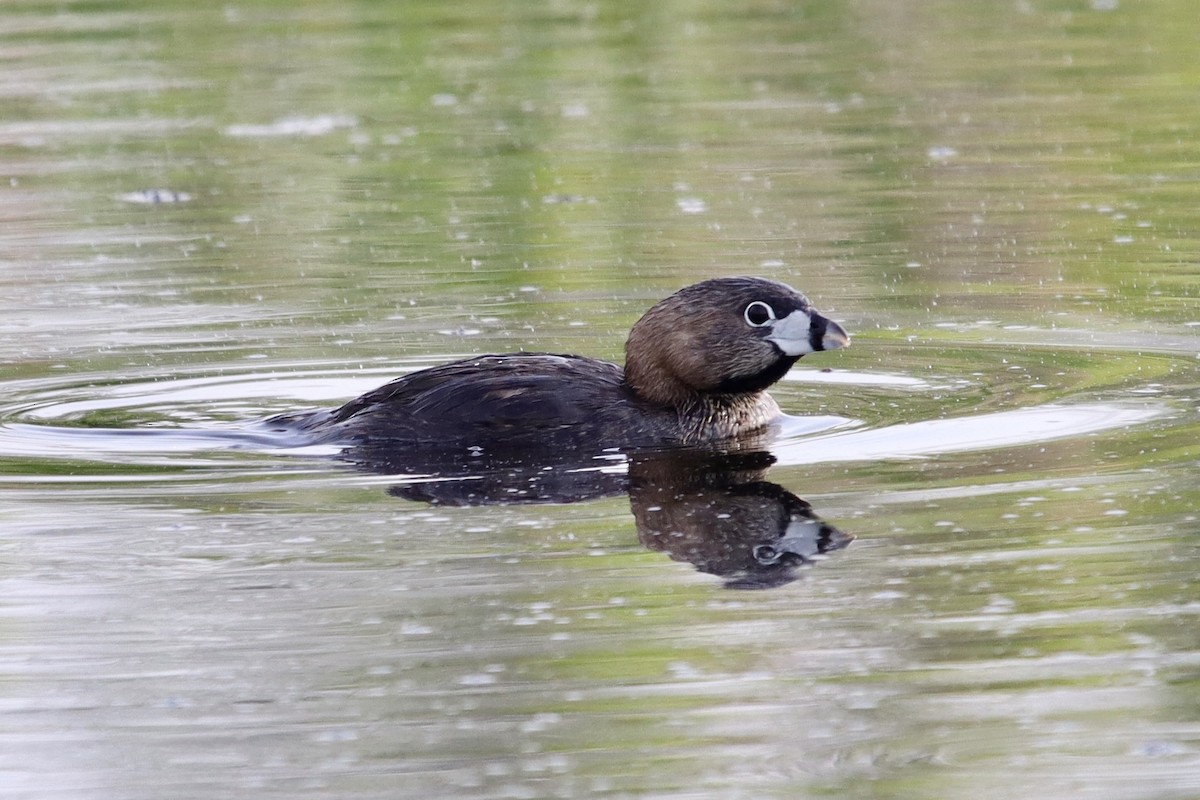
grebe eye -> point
(766, 555)
(759, 313)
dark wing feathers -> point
(524, 393)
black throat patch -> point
(747, 384)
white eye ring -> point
(755, 311)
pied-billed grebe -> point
(696, 367)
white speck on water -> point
(477, 679)
(691, 205)
(575, 111)
(999, 605)
(1122, 239)
(293, 126)
(941, 153)
(540, 722)
(444, 100)
(684, 671)
(154, 197)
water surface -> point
(212, 215)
